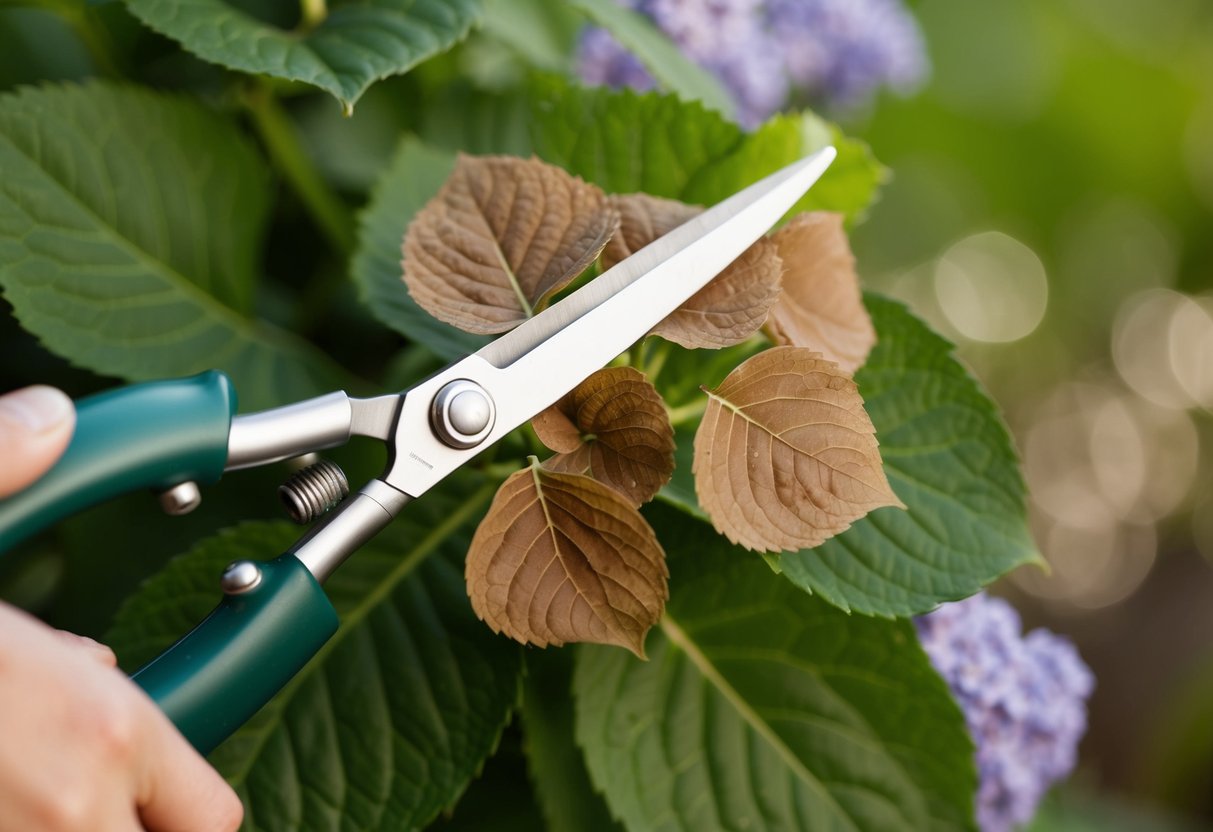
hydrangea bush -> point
(148, 232)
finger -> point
(36, 424)
(178, 790)
(96, 649)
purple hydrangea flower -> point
(837, 52)
(602, 61)
(1023, 697)
(843, 50)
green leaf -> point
(662, 58)
(389, 722)
(474, 121)
(556, 765)
(415, 175)
(765, 708)
(628, 142)
(130, 224)
(853, 181)
(499, 799)
(949, 457)
(849, 186)
(351, 47)
(622, 141)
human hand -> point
(36, 424)
(81, 747)
(85, 749)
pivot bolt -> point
(463, 414)
(240, 577)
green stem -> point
(657, 358)
(688, 413)
(327, 210)
(636, 355)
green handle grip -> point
(152, 435)
(155, 436)
(214, 679)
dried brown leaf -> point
(731, 307)
(821, 305)
(623, 433)
(557, 430)
(562, 558)
(500, 238)
(642, 219)
(786, 456)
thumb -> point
(36, 424)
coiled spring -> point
(314, 490)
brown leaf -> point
(557, 430)
(642, 219)
(622, 432)
(786, 457)
(560, 558)
(821, 305)
(500, 238)
(731, 307)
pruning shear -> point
(171, 436)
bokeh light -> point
(1142, 346)
(992, 288)
(1104, 467)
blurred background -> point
(1050, 210)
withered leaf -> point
(560, 558)
(821, 305)
(615, 428)
(786, 456)
(500, 238)
(727, 310)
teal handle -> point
(152, 435)
(214, 679)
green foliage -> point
(144, 234)
(415, 174)
(763, 708)
(386, 726)
(341, 51)
(554, 761)
(130, 226)
(949, 458)
(666, 147)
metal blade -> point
(531, 367)
(689, 257)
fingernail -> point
(37, 409)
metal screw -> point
(240, 577)
(470, 412)
(180, 499)
(462, 414)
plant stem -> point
(688, 412)
(636, 355)
(657, 356)
(324, 206)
